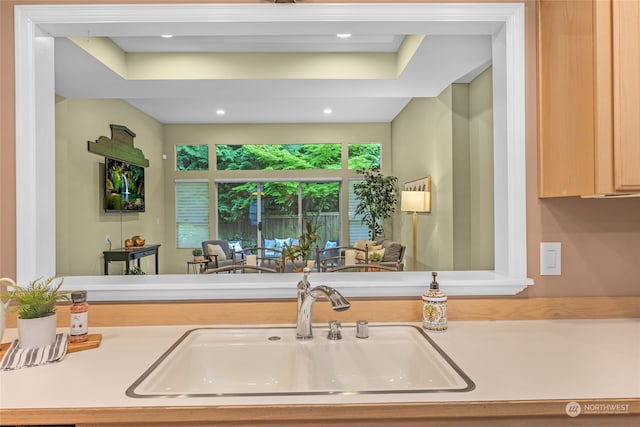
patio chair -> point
(218, 253)
(265, 256)
(242, 268)
(336, 259)
(362, 267)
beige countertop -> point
(564, 360)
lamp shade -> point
(415, 201)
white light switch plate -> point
(550, 258)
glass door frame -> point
(260, 182)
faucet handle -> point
(362, 329)
(335, 330)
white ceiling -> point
(442, 58)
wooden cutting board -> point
(93, 342)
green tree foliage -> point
(364, 156)
(280, 198)
(278, 157)
(192, 157)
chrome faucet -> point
(307, 296)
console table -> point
(129, 254)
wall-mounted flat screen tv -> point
(124, 186)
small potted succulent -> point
(35, 305)
(197, 255)
(375, 258)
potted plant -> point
(36, 308)
(377, 198)
(303, 249)
(375, 258)
(136, 271)
(197, 255)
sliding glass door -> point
(239, 212)
(280, 215)
(272, 212)
(321, 206)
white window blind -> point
(357, 230)
(192, 213)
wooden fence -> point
(280, 227)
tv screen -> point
(124, 186)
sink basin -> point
(271, 361)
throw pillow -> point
(330, 244)
(236, 247)
(270, 244)
(216, 250)
(280, 243)
(363, 244)
(392, 252)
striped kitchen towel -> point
(17, 357)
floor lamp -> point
(416, 201)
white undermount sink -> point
(271, 361)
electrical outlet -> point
(108, 239)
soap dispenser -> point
(434, 307)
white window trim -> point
(35, 165)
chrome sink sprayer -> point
(307, 296)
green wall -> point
(450, 138)
(419, 142)
(421, 146)
(481, 179)
(81, 223)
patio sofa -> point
(334, 257)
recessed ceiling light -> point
(327, 111)
(343, 35)
(166, 36)
(220, 112)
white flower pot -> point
(34, 333)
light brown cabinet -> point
(588, 92)
(626, 94)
